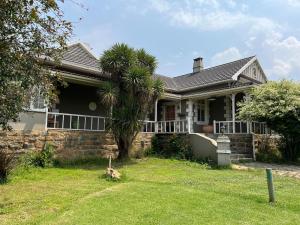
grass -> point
(154, 191)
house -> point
(202, 101)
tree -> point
(31, 31)
(277, 104)
(131, 92)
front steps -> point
(241, 147)
(236, 158)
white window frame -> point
(201, 107)
(37, 95)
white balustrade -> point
(240, 127)
(66, 121)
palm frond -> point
(108, 93)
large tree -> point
(277, 104)
(130, 94)
(30, 31)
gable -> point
(255, 72)
(79, 55)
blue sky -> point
(176, 31)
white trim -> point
(218, 93)
(263, 72)
(236, 75)
(171, 96)
(71, 65)
(36, 110)
(81, 80)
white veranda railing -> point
(67, 121)
(240, 127)
(172, 126)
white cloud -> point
(293, 3)
(99, 38)
(286, 55)
(225, 56)
(208, 15)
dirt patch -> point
(280, 169)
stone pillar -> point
(223, 150)
(190, 114)
(155, 116)
(233, 111)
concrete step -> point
(235, 158)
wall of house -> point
(249, 72)
(70, 144)
(30, 121)
(75, 99)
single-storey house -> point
(202, 101)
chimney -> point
(198, 65)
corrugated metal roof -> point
(205, 77)
(79, 55)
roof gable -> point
(79, 55)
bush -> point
(277, 104)
(42, 158)
(174, 146)
(7, 162)
(268, 150)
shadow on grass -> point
(91, 163)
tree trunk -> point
(123, 148)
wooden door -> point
(170, 112)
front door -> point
(170, 112)
(170, 115)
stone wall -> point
(70, 144)
(241, 143)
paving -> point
(280, 169)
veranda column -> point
(233, 111)
(155, 116)
(190, 116)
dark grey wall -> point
(75, 99)
(216, 110)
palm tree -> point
(130, 93)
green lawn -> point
(154, 191)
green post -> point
(270, 185)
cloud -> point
(99, 38)
(225, 56)
(293, 3)
(286, 55)
(208, 15)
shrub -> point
(42, 158)
(268, 151)
(174, 146)
(7, 160)
(277, 104)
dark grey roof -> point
(205, 77)
(79, 55)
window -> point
(201, 111)
(38, 102)
(254, 73)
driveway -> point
(280, 169)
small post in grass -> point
(109, 162)
(270, 185)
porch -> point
(79, 108)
